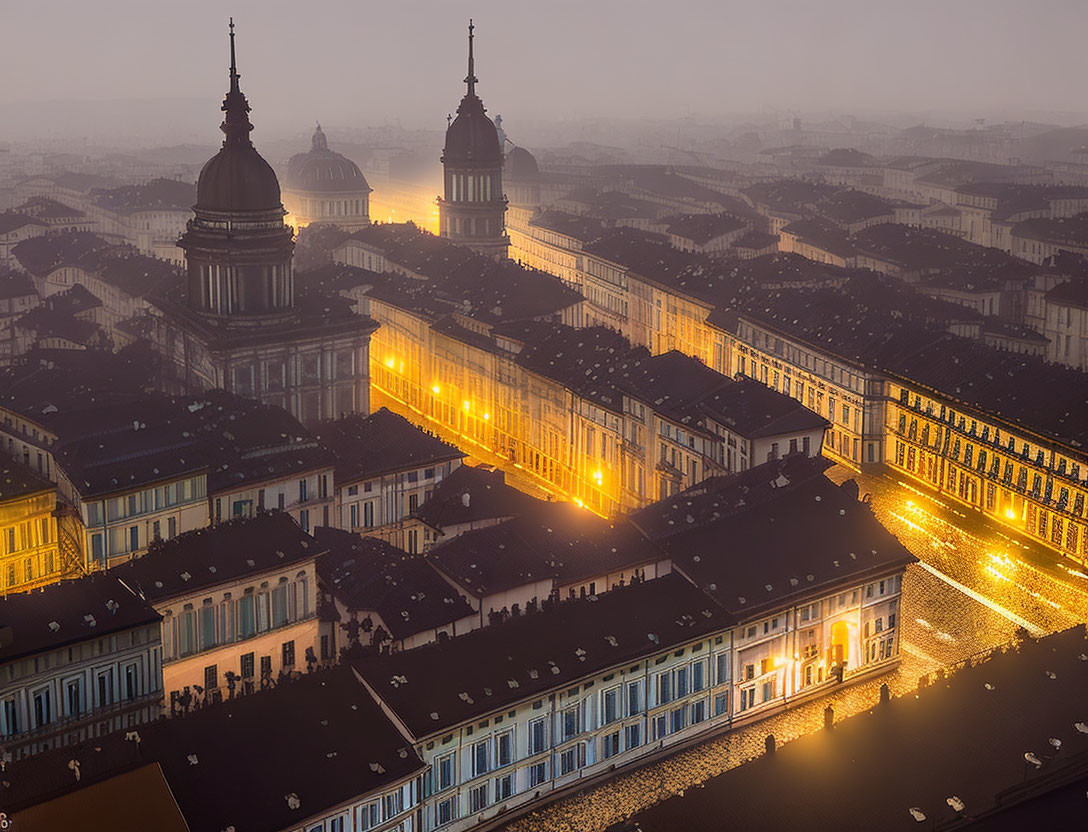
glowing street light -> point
(436, 389)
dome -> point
(323, 170)
(237, 178)
(472, 136)
(521, 165)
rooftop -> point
(336, 744)
(702, 228)
(219, 554)
(967, 737)
(156, 195)
(546, 542)
(17, 481)
(68, 612)
(369, 575)
(800, 543)
(470, 495)
(436, 687)
(381, 443)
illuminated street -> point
(1024, 579)
(942, 625)
(477, 455)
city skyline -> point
(346, 64)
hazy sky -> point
(361, 62)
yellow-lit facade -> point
(395, 201)
(488, 401)
(1010, 475)
(850, 397)
(30, 554)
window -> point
(572, 758)
(610, 745)
(368, 515)
(572, 722)
(477, 798)
(723, 668)
(481, 758)
(289, 653)
(538, 738)
(266, 666)
(635, 698)
(698, 711)
(538, 774)
(676, 719)
(698, 676)
(664, 688)
(504, 787)
(446, 811)
(211, 677)
(747, 698)
(632, 736)
(43, 707)
(444, 773)
(721, 703)
(504, 748)
(10, 715)
(73, 697)
(768, 690)
(610, 705)
(105, 689)
(247, 666)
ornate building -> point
(236, 322)
(323, 186)
(473, 210)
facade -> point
(235, 323)
(265, 461)
(78, 660)
(386, 468)
(376, 596)
(340, 765)
(980, 450)
(29, 537)
(123, 472)
(14, 228)
(238, 603)
(150, 216)
(473, 207)
(845, 392)
(525, 707)
(323, 186)
(1066, 324)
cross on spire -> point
(236, 125)
(471, 79)
(233, 64)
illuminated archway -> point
(840, 644)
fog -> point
(152, 72)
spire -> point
(319, 141)
(233, 63)
(236, 124)
(471, 79)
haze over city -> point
(121, 70)
(557, 417)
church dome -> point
(521, 165)
(237, 178)
(323, 170)
(472, 136)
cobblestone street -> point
(974, 588)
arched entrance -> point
(839, 653)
